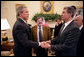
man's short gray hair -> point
(70, 10)
(20, 9)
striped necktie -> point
(40, 34)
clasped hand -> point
(45, 44)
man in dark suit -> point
(79, 21)
(66, 42)
(22, 43)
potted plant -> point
(48, 17)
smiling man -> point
(40, 33)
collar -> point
(66, 24)
(22, 19)
(81, 27)
(38, 27)
(75, 15)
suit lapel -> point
(35, 31)
(43, 32)
(68, 26)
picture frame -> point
(79, 10)
(47, 7)
(17, 5)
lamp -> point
(4, 26)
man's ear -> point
(71, 14)
(20, 13)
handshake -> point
(45, 44)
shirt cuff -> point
(39, 43)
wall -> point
(59, 5)
(8, 10)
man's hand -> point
(49, 42)
(42, 44)
(45, 45)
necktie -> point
(61, 30)
(40, 34)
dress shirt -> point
(22, 19)
(66, 24)
(75, 15)
(81, 27)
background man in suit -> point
(45, 35)
(75, 12)
(57, 27)
(66, 42)
(79, 21)
(22, 43)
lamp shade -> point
(4, 24)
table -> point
(7, 46)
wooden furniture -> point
(7, 46)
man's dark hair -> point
(70, 10)
(59, 18)
(39, 18)
(74, 7)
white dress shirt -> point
(75, 15)
(80, 27)
(38, 32)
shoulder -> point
(74, 28)
(34, 26)
(74, 25)
(46, 26)
(19, 25)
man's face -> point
(65, 15)
(25, 14)
(39, 22)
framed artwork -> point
(80, 10)
(17, 5)
(47, 7)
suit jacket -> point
(66, 43)
(46, 36)
(29, 27)
(46, 33)
(80, 44)
(22, 43)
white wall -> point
(59, 5)
(8, 10)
